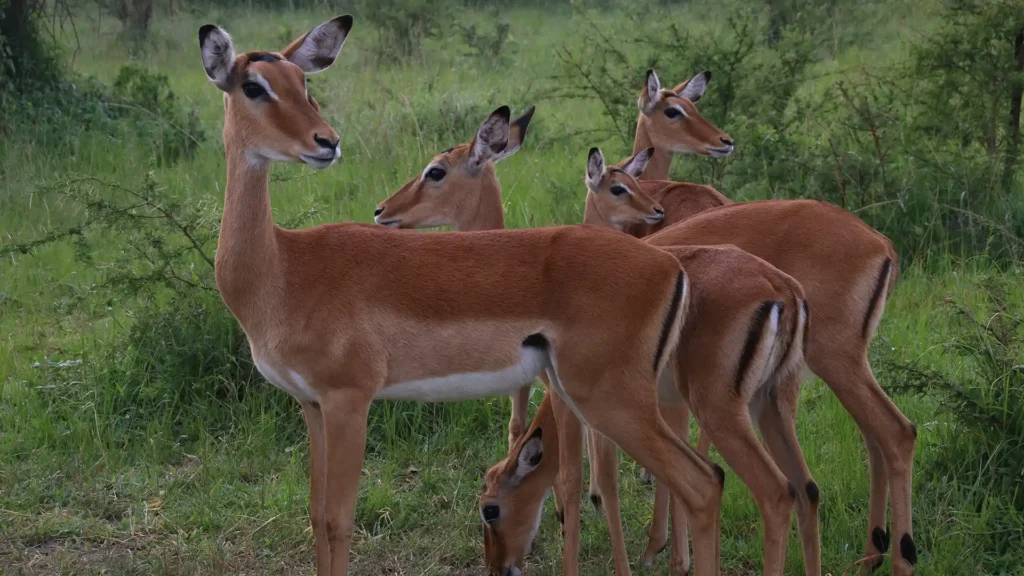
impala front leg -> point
(345, 414)
(317, 479)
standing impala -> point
(342, 314)
(848, 271)
(748, 335)
(423, 203)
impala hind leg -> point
(630, 418)
(885, 427)
(678, 418)
(345, 417)
(777, 423)
(317, 479)
(732, 433)
(604, 456)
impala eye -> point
(490, 513)
(436, 174)
(673, 113)
(253, 91)
(618, 190)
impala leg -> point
(777, 423)
(345, 416)
(520, 404)
(593, 452)
(606, 454)
(657, 538)
(731, 431)
(630, 418)
(678, 418)
(569, 482)
(317, 479)
(884, 426)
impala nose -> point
(727, 141)
(378, 212)
(658, 210)
(325, 142)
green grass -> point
(218, 483)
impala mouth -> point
(321, 160)
(654, 218)
(389, 222)
(721, 152)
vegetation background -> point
(135, 435)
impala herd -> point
(671, 299)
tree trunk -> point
(1013, 126)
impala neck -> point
(247, 250)
(593, 215)
(488, 212)
(661, 161)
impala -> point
(752, 330)
(423, 203)
(342, 314)
(848, 271)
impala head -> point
(672, 121)
(450, 189)
(267, 111)
(511, 504)
(615, 193)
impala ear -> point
(695, 87)
(492, 138)
(650, 94)
(595, 169)
(218, 56)
(530, 456)
(319, 48)
(516, 135)
(636, 165)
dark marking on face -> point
(670, 318)
(883, 275)
(813, 493)
(263, 57)
(791, 490)
(908, 549)
(753, 337)
(880, 538)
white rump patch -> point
(471, 385)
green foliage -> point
(402, 26)
(885, 142)
(484, 43)
(978, 439)
(171, 129)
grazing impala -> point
(342, 314)
(426, 202)
(848, 271)
(752, 332)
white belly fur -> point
(471, 385)
(288, 380)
